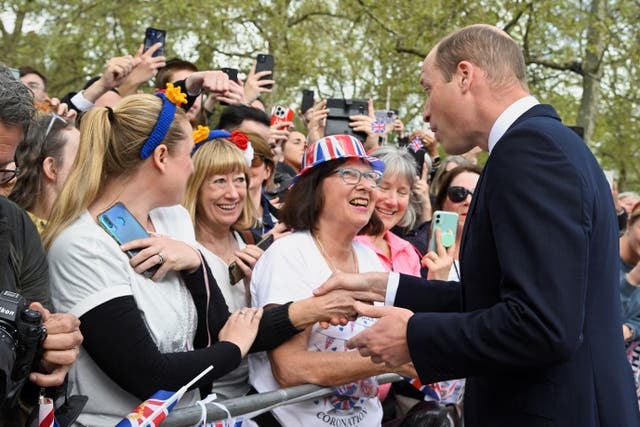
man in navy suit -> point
(535, 324)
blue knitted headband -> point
(170, 99)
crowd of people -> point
(505, 324)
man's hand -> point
(386, 340)
(61, 347)
(365, 287)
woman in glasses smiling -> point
(331, 201)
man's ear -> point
(465, 73)
(160, 157)
(49, 169)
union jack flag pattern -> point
(46, 417)
(378, 126)
(152, 411)
(337, 147)
(415, 144)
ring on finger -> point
(161, 256)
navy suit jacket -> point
(535, 324)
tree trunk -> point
(593, 69)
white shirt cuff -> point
(392, 288)
(81, 102)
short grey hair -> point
(398, 161)
(16, 101)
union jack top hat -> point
(336, 147)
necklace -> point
(333, 269)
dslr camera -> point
(21, 337)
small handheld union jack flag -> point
(378, 126)
(415, 144)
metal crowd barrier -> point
(183, 417)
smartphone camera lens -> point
(107, 222)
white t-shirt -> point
(289, 271)
(235, 383)
(87, 268)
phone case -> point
(307, 100)
(338, 118)
(153, 36)
(232, 73)
(122, 226)
(280, 113)
(265, 63)
(447, 222)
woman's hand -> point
(316, 118)
(406, 370)
(247, 258)
(439, 264)
(241, 328)
(362, 123)
(254, 87)
(162, 252)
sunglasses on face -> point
(458, 194)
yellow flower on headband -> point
(175, 95)
(200, 134)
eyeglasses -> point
(257, 160)
(353, 176)
(54, 117)
(7, 175)
(458, 194)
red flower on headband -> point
(239, 139)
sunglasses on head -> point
(458, 194)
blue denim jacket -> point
(630, 299)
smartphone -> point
(153, 36)
(307, 100)
(447, 222)
(235, 273)
(123, 227)
(339, 112)
(232, 73)
(265, 62)
(386, 116)
(280, 113)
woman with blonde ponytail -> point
(141, 333)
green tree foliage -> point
(582, 55)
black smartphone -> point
(235, 273)
(307, 100)
(265, 62)
(339, 112)
(153, 36)
(123, 227)
(232, 73)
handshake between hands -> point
(345, 296)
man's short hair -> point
(165, 73)
(27, 69)
(487, 47)
(233, 116)
(16, 101)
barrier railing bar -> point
(183, 417)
